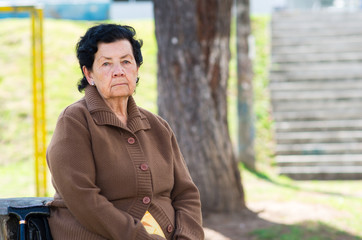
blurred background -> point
(307, 99)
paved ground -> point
(233, 226)
(263, 215)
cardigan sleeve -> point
(185, 200)
(71, 163)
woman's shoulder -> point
(76, 110)
(154, 119)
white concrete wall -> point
(265, 6)
(131, 10)
(144, 10)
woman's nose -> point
(118, 70)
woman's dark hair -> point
(104, 33)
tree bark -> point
(245, 86)
(193, 60)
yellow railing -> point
(38, 94)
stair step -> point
(318, 137)
(317, 16)
(315, 105)
(341, 84)
(319, 148)
(316, 57)
(320, 160)
(316, 95)
(325, 169)
(309, 21)
(316, 40)
(318, 48)
(331, 125)
(338, 114)
(315, 75)
(292, 67)
(312, 29)
(322, 32)
(323, 172)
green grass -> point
(62, 74)
(341, 201)
(17, 179)
(303, 231)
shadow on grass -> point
(248, 225)
(308, 230)
(267, 178)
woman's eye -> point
(126, 61)
(105, 64)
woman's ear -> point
(88, 75)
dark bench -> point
(12, 210)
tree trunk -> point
(193, 60)
(245, 86)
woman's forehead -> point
(119, 48)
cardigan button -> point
(144, 166)
(146, 200)
(169, 228)
(131, 140)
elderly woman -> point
(116, 168)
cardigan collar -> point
(103, 115)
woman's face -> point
(114, 71)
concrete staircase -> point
(316, 93)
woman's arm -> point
(73, 170)
(185, 200)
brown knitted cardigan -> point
(107, 175)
